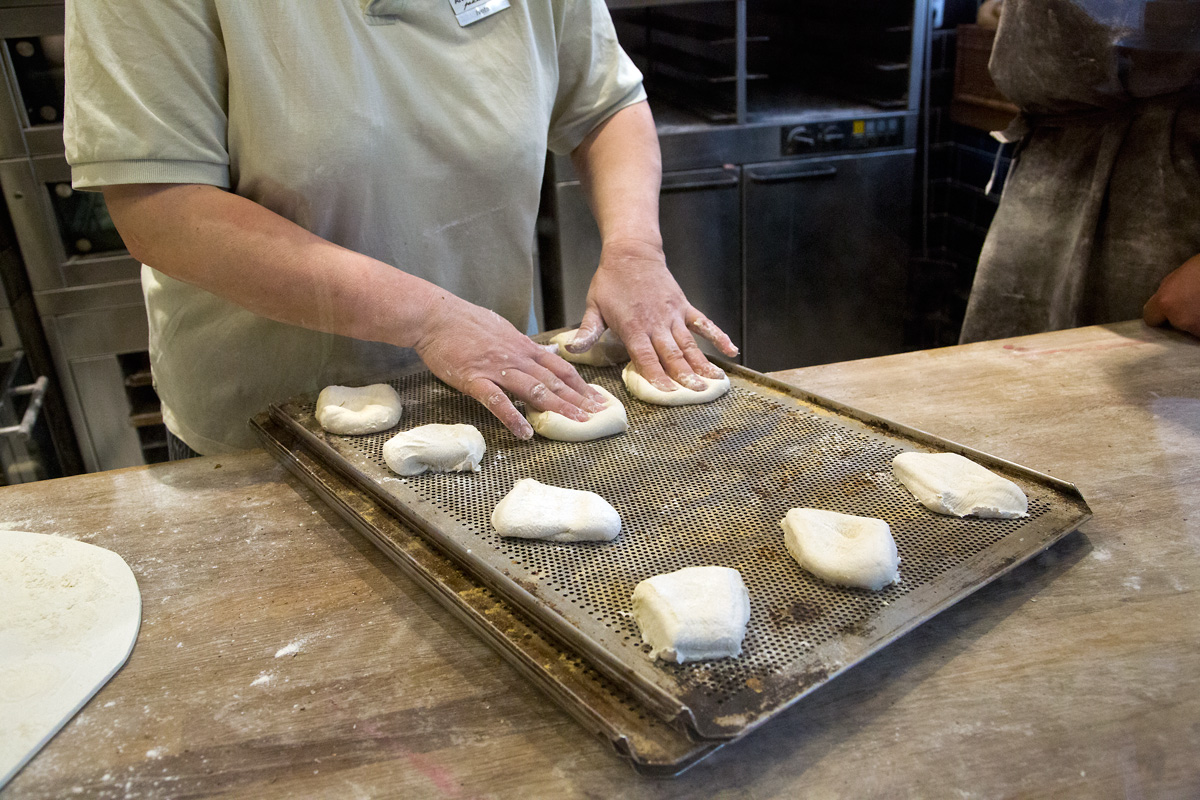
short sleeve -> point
(146, 93)
(596, 77)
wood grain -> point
(281, 655)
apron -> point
(1103, 197)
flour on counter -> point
(292, 649)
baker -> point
(1100, 216)
(328, 192)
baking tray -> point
(651, 746)
(698, 485)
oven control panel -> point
(842, 135)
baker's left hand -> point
(635, 294)
(1177, 301)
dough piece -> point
(607, 351)
(435, 448)
(695, 614)
(948, 483)
(608, 421)
(533, 510)
(645, 391)
(348, 411)
(842, 549)
(71, 615)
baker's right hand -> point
(1177, 301)
(481, 354)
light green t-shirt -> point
(380, 125)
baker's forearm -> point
(620, 167)
(245, 253)
(264, 263)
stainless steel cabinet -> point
(826, 253)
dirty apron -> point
(1103, 197)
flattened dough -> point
(71, 615)
(349, 410)
(608, 421)
(607, 351)
(695, 614)
(645, 391)
(842, 549)
(947, 483)
(434, 448)
(534, 510)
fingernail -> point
(579, 415)
(665, 385)
(693, 382)
(712, 371)
(525, 433)
(592, 407)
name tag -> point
(471, 11)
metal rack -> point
(85, 286)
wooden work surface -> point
(280, 655)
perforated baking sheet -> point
(699, 485)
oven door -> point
(826, 254)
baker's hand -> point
(481, 354)
(1177, 301)
(634, 294)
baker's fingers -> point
(674, 362)
(496, 401)
(565, 372)
(590, 331)
(707, 329)
(1153, 312)
(694, 355)
(543, 392)
(646, 362)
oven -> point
(85, 288)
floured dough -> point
(695, 614)
(948, 483)
(607, 351)
(71, 613)
(842, 549)
(608, 421)
(533, 510)
(643, 390)
(435, 448)
(348, 411)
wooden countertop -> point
(281, 655)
